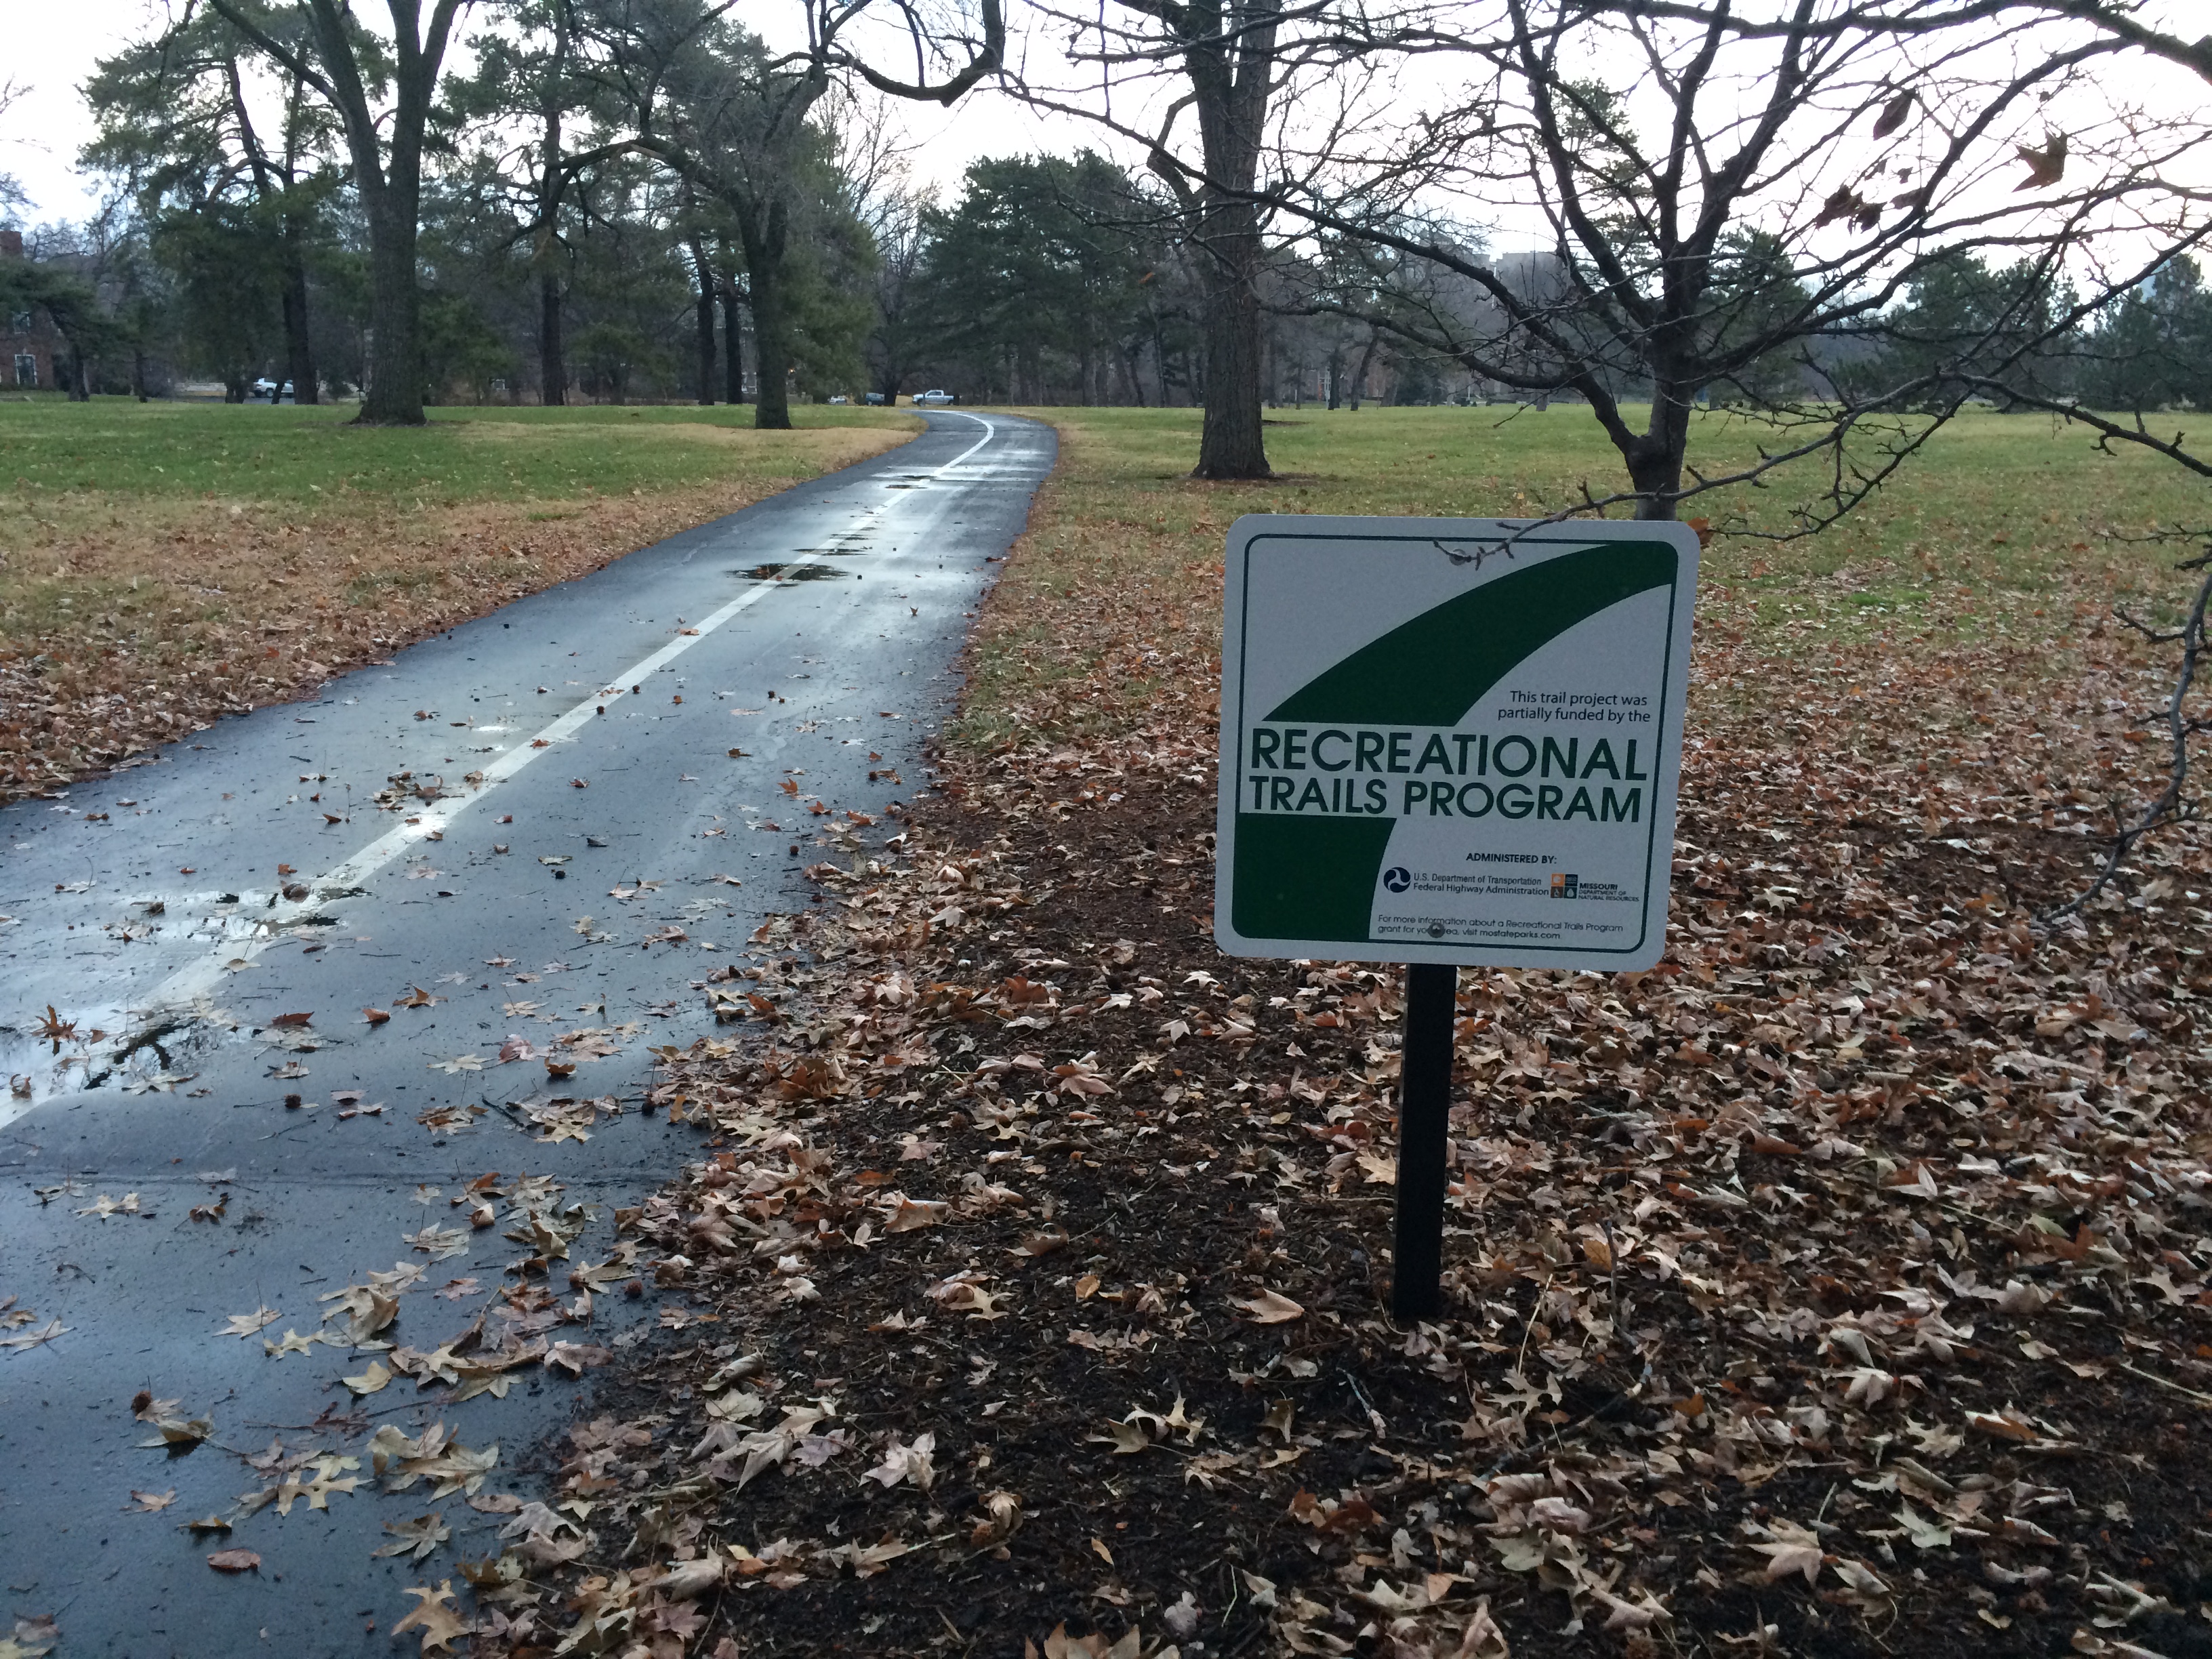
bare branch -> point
(2171, 805)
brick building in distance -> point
(29, 346)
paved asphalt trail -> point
(858, 663)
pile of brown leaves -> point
(1838, 1287)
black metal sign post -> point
(1425, 1066)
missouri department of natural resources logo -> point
(1564, 886)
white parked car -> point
(931, 397)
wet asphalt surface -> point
(150, 907)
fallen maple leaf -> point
(1792, 1549)
(1126, 1438)
(370, 1381)
(434, 1617)
(235, 1561)
(1273, 1307)
(249, 1324)
(36, 1335)
(418, 1537)
(574, 1358)
(2006, 1424)
(905, 1214)
(375, 1016)
(907, 1463)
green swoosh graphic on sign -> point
(1314, 878)
(1430, 669)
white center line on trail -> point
(198, 979)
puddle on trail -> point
(780, 571)
(136, 1052)
(130, 1045)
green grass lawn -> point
(1994, 498)
(2009, 524)
(117, 447)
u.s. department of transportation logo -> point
(1430, 727)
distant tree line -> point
(1046, 280)
(1845, 222)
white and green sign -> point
(1451, 740)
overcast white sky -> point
(53, 47)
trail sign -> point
(1448, 741)
(1451, 740)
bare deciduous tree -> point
(1214, 83)
(1721, 195)
(12, 197)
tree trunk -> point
(299, 351)
(387, 175)
(1229, 54)
(395, 369)
(387, 167)
(299, 366)
(552, 353)
(1359, 375)
(1230, 444)
(1655, 461)
(705, 312)
(763, 229)
(733, 343)
(1159, 348)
